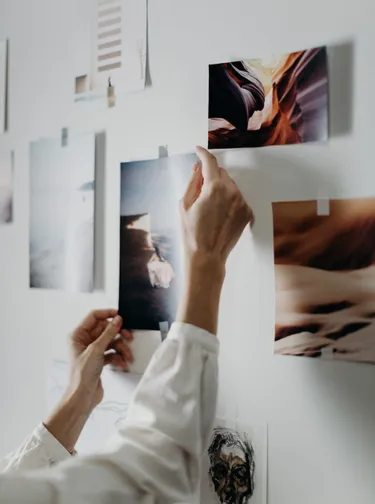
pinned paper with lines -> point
(111, 43)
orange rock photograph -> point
(274, 101)
(325, 279)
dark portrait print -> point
(232, 466)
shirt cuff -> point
(180, 330)
(54, 450)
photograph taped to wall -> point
(325, 293)
(62, 193)
(6, 186)
(234, 469)
(3, 83)
(111, 48)
(275, 101)
(150, 244)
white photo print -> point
(111, 43)
(62, 193)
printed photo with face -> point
(234, 467)
(150, 242)
(324, 267)
(271, 101)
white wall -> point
(321, 415)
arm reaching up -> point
(155, 458)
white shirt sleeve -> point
(38, 451)
(155, 458)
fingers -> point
(96, 316)
(210, 168)
(122, 354)
(115, 360)
(122, 349)
(101, 326)
(109, 334)
(247, 213)
(194, 188)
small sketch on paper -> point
(234, 467)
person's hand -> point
(214, 215)
(96, 342)
(213, 210)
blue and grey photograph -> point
(150, 244)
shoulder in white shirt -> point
(155, 457)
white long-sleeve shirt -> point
(154, 458)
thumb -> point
(109, 334)
(193, 189)
(210, 167)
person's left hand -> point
(96, 342)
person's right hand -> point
(213, 210)
(214, 215)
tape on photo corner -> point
(163, 151)
(164, 329)
(64, 137)
(323, 202)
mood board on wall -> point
(279, 100)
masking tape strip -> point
(163, 151)
(322, 202)
(164, 329)
(64, 137)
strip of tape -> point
(164, 329)
(163, 151)
(64, 137)
(323, 202)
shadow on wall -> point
(341, 86)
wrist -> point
(68, 420)
(79, 400)
(199, 304)
(206, 270)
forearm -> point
(199, 304)
(156, 454)
(68, 420)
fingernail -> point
(117, 321)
